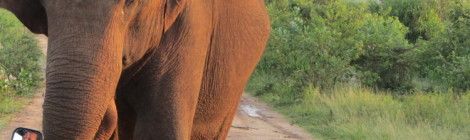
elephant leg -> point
(226, 75)
(109, 123)
(127, 117)
(169, 84)
(166, 102)
(238, 42)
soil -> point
(254, 121)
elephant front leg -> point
(166, 101)
(168, 88)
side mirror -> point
(26, 134)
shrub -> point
(334, 66)
(385, 62)
(421, 16)
(445, 59)
(19, 56)
(325, 43)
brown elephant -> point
(145, 69)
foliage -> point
(19, 65)
(19, 56)
(325, 43)
(446, 59)
(369, 69)
(421, 16)
(385, 62)
(394, 45)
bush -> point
(421, 16)
(396, 45)
(369, 69)
(445, 59)
(385, 62)
(19, 56)
(310, 44)
(325, 43)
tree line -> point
(397, 45)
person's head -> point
(30, 136)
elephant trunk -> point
(84, 62)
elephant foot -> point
(108, 127)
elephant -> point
(145, 69)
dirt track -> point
(254, 120)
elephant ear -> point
(173, 9)
(30, 12)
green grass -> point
(19, 66)
(360, 114)
(10, 104)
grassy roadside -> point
(359, 113)
(369, 69)
(10, 104)
(19, 66)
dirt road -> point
(254, 120)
